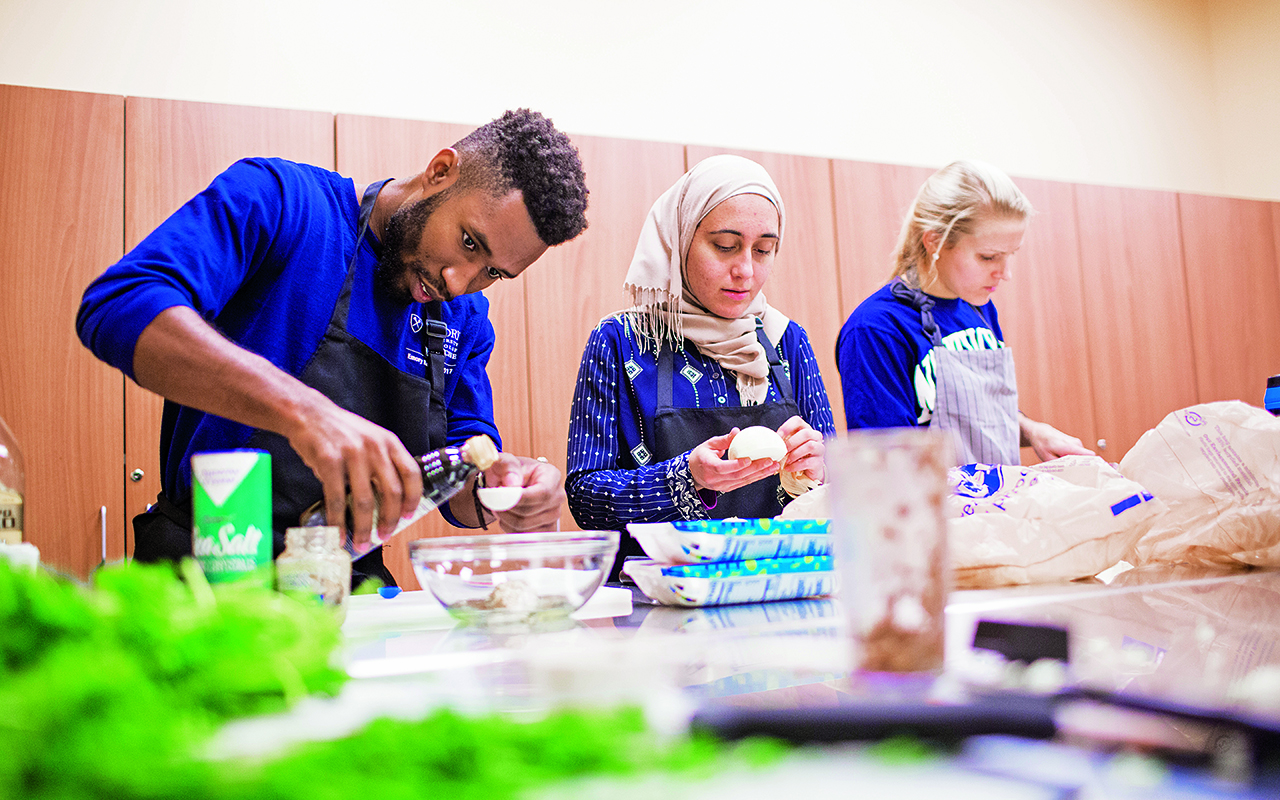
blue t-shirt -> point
(613, 478)
(262, 254)
(886, 362)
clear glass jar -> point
(889, 530)
(12, 487)
(315, 564)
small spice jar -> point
(314, 564)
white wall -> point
(1146, 93)
(1245, 40)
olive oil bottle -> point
(444, 473)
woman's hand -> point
(806, 451)
(712, 471)
(1049, 442)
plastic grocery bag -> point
(1069, 518)
(813, 504)
(1217, 467)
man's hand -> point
(711, 470)
(347, 451)
(542, 498)
(806, 451)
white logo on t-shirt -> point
(925, 378)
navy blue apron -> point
(679, 430)
(355, 377)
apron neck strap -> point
(362, 226)
(922, 303)
(367, 203)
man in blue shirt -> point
(339, 327)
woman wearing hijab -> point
(665, 384)
(926, 348)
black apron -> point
(679, 430)
(357, 378)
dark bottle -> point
(1271, 400)
(444, 473)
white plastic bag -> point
(1069, 518)
(813, 504)
(1217, 467)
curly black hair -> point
(523, 150)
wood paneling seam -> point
(1186, 299)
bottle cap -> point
(480, 451)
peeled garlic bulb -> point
(499, 498)
(756, 442)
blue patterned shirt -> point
(613, 477)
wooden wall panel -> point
(1233, 289)
(173, 149)
(576, 284)
(805, 281)
(1042, 315)
(1275, 228)
(61, 221)
(1138, 325)
(372, 148)
(870, 203)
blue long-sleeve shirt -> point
(886, 360)
(262, 254)
(613, 476)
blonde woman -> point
(926, 348)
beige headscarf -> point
(665, 311)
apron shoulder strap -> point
(367, 201)
(777, 372)
(434, 332)
(665, 370)
(922, 303)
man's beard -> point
(393, 275)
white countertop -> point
(1188, 637)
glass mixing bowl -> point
(514, 578)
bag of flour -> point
(1217, 467)
(1069, 518)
